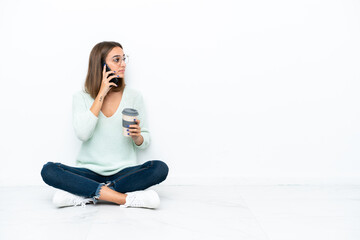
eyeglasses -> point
(118, 60)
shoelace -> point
(82, 202)
(135, 202)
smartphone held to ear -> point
(114, 80)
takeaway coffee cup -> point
(129, 114)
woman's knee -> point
(47, 172)
(161, 169)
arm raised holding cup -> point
(131, 125)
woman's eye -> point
(116, 59)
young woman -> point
(106, 164)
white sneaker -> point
(145, 199)
(65, 199)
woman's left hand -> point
(135, 133)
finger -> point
(113, 76)
(134, 134)
(134, 130)
(113, 85)
(109, 72)
(137, 123)
(133, 126)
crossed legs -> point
(83, 182)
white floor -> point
(190, 212)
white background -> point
(236, 91)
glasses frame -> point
(125, 58)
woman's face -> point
(115, 62)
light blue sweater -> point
(104, 149)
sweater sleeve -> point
(140, 106)
(84, 121)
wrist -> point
(101, 96)
(139, 140)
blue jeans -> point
(86, 183)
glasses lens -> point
(126, 58)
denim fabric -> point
(86, 183)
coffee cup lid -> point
(130, 112)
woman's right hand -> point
(105, 82)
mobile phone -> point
(114, 80)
